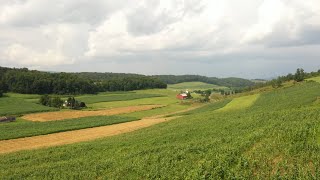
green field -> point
(90, 99)
(17, 104)
(276, 136)
(23, 128)
(20, 105)
(241, 103)
(316, 79)
(194, 86)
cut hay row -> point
(69, 137)
(61, 115)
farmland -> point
(194, 86)
(275, 134)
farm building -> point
(182, 96)
(7, 119)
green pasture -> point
(194, 86)
(23, 128)
(17, 106)
(316, 79)
(277, 136)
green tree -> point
(44, 100)
(299, 75)
(56, 102)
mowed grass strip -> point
(240, 103)
(90, 99)
(194, 86)
(22, 128)
(75, 136)
(18, 106)
(54, 116)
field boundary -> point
(81, 135)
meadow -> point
(276, 135)
(18, 106)
(23, 128)
(194, 86)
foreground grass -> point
(23, 128)
(277, 137)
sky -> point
(222, 38)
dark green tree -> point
(299, 75)
(44, 100)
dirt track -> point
(70, 137)
(61, 115)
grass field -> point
(23, 128)
(194, 86)
(316, 79)
(276, 137)
(241, 103)
(90, 99)
(18, 106)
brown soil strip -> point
(61, 115)
(69, 137)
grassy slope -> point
(90, 99)
(241, 103)
(316, 79)
(193, 86)
(277, 137)
(23, 128)
(18, 106)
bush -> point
(44, 100)
(1, 94)
(83, 105)
(55, 101)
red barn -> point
(182, 96)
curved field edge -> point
(208, 107)
(21, 128)
(240, 103)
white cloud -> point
(50, 33)
(19, 54)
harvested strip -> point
(53, 116)
(69, 137)
(240, 103)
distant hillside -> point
(227, 82)
(25, 81)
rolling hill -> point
(267, 135)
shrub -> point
(44, 100)
(55, 101)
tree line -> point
(227, 82)
(299, 76)
(22, 80)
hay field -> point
(53, 116)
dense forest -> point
(36, 82)
(228, 82)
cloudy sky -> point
(247, 38)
